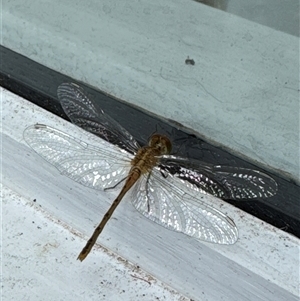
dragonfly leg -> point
(113, 187)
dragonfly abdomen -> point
(133, 176)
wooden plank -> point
(262, 265)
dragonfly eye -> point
(162, 143)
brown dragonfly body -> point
(145, 159)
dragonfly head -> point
(162, 143)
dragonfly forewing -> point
(225, 182)
(83, 112)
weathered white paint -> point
(262, 265)
(242, 92)
(39, 261)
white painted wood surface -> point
(241, 93)
(39, 261)
(42, 239)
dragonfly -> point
(164, 187)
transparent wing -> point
(225, 182)
(82, 112)
(166, 202)
(95, 167)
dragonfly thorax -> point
(161, 143)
